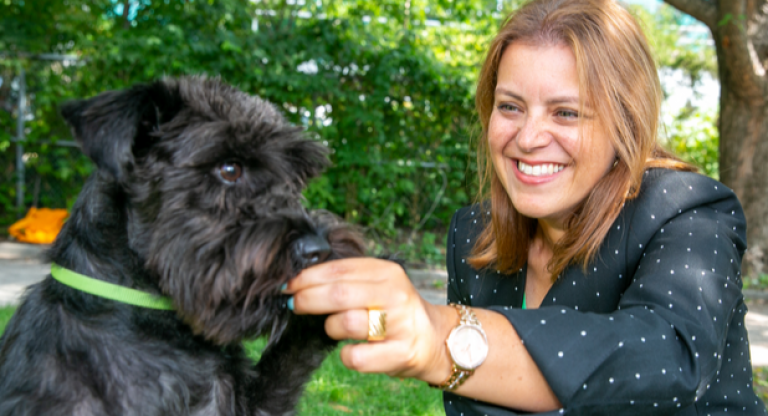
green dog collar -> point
(110, 291)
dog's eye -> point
(230, 172)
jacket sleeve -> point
(663, 345)
(450, 258)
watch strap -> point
(456, 379)
(466, 315)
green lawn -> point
(335, 390)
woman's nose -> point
(533, 134)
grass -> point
(335, 390)
(5, 315)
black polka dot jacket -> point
(654, 326)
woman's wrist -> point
(438, 368)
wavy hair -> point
(618, 79)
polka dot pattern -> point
(654, 326)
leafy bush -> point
(389, 94)
(694, 138)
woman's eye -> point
(567, 114)
(230, 172)
(508, 107)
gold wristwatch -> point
(467, 346)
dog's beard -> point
(225, 278)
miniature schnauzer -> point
(195, 204)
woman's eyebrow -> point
(565, 99)
(508, 93)
(562, 100)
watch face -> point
(468, 346)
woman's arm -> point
(416, 333)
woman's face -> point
(544, 164)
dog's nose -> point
(311, 250)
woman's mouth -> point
(544, 169)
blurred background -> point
(387, 85)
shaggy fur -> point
(163, 215)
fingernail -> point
(290, 303)
(284, 287)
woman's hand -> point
(415, 329)
(416, 332)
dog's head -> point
(212, 180)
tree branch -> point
(126, 14)
(745, 73)
(702, 10)
(758, 32)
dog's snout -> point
(311, 250)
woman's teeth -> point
(539, 170)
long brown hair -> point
(618, 79)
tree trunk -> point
(740, 31)
(743, 129)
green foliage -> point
(692, 133)
(728, 18)
(387, 90)
(672, 44)
(694, 137)
(756, 282)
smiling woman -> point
(599, 276)
(589, 65)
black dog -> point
(197, 197)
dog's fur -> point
(159, 215)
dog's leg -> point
(287, 365)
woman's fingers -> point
(351, 324)
(338, 296)
(395, 358)
(340, 285)
(362, 268)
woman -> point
(603, 276)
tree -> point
(740, 32)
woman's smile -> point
(544, 169)
(536, 172)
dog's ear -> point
(116, 125)
(309, 158)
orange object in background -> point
(40, 226)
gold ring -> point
(377, 325)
